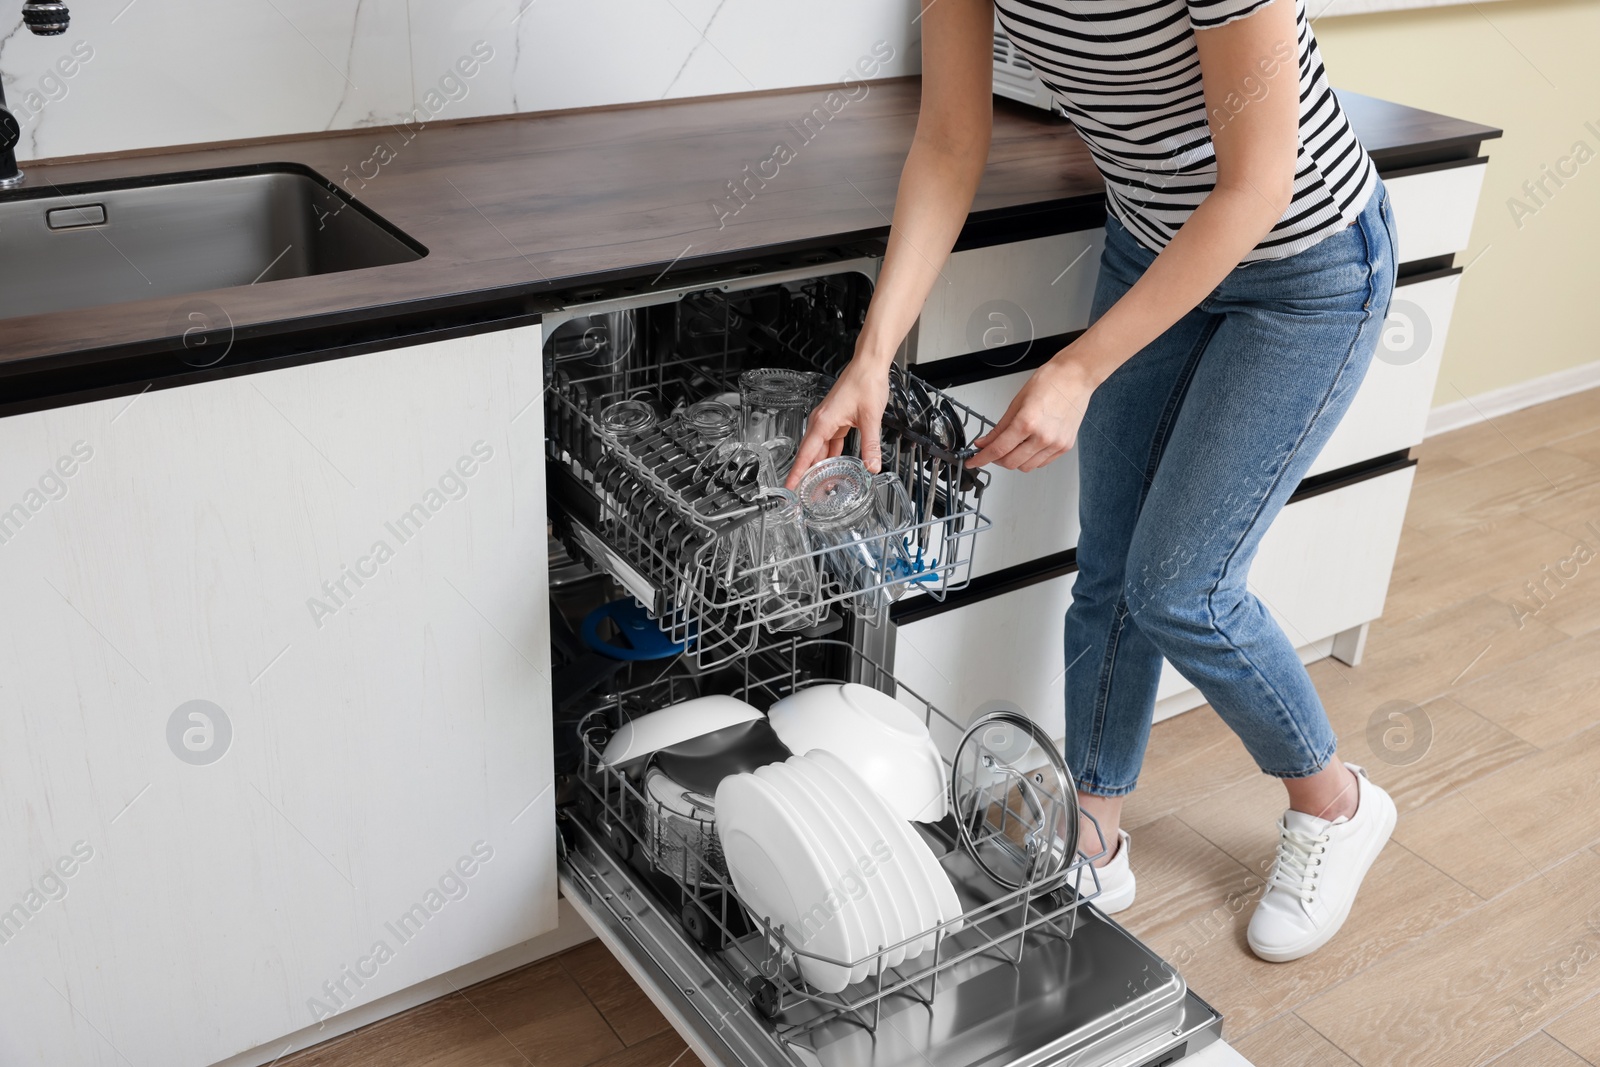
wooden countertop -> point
(516, 207)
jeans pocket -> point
(1386, 211)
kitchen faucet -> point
(46, 18)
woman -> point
(1247, 270)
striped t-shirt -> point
(1127, 74)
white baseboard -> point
(1496, 402)
(570, 930)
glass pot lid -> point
(835, 490)
(1015, 802)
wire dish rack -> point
(677, 538)
(997, 922)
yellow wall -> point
(1531, 304)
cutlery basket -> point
(997, 922)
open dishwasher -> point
(1030, 973)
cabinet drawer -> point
(1324, 565)
(1034, 515)
(1004, 294)
(1323, 568)
(1390, 412)
(1007, 647)
(1433, 209)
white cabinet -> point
(1008, 647)
(1036, 515)
(1433, 212)
(276, 694)
(1033, 515)
(1324, 565)
(1390, 411)
(987, 298)
(1322, 570)
(1434, 208)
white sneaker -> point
(1116, 879)
(1319, 868)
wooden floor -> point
(1476, 938)
(578, 1009)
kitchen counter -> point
(518, 213)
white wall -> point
(168, 72)
(1527, 299)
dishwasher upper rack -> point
(682, 563)
(764, 960)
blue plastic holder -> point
(917, 571)
(643, 638)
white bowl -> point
(880, 739)
(679, 722)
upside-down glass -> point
(620, 425)
(775, 404)
(862, 521)
(712, 421)
(774, 564)
(626, 420)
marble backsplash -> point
(152, 73)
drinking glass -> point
(861, 519)
(775, 564)
(626, 421)
(712, 421)
(775, 403)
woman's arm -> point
(940, 178)
(1256, 157)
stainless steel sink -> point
(167, 235)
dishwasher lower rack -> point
(999, 926)
(678, 544)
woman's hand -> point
(856, 401)
(1042, 422)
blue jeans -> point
(1186, 454)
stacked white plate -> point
(813, 849)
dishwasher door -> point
(1098, 999)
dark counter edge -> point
(128, 370)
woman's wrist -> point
(875, 353)
(1081, 366)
